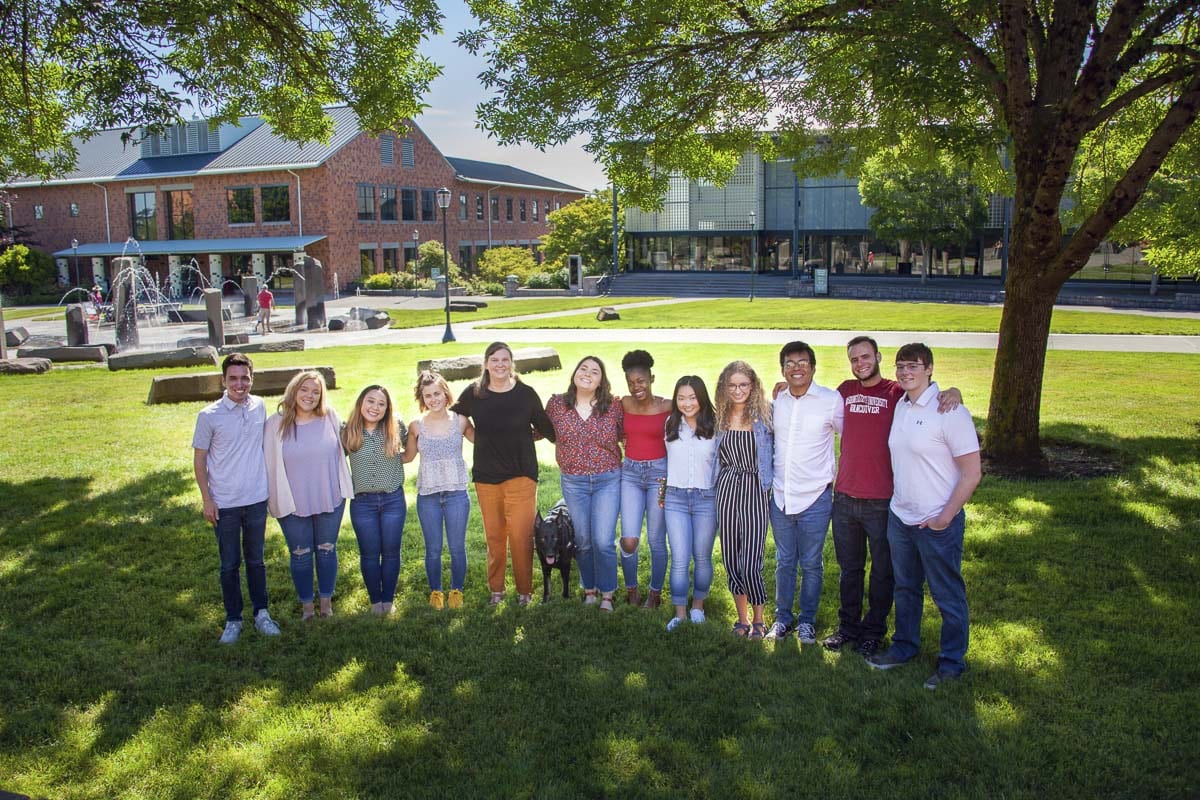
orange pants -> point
(508, 510)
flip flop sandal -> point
(741, 629)
(606, 604)
(758, 631)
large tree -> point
(72, 68)
(583, 227)
(688, 85)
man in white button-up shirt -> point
(806, 417)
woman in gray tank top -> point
(442, 501)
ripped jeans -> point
(305, 534)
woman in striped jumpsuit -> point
(744, 472)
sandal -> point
(741, 629)
(496, 599)
(606, 604)
(757, 631)
(589, 597)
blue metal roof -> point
(249, 244)
(488, 172)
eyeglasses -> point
(739, 387)
(797, 364)
(909, 366)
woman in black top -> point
(506, 413)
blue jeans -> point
(691, 521)
(800, 538)
(920, 555)
(639, 500)
(594, 501)
(305, 534)
(449, 510)
(378, 520)
(241, 532)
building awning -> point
(250, 244)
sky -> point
(450, 120)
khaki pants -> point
(508, 510)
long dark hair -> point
(481, 385)
(604, 396)
(706, 418)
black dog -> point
(554, 537)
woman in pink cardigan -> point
(308, 483)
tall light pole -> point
(443, 201)
(416, 240)
(75, 253)
(754, 257)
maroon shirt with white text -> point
(865, 468)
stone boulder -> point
(15, 337)
(463, 307)
(207, 385)
(280, 346)
(237, 338)
(373, 317)
(534, 359)
(92, 352)
(607, 313)
(24, 366)
(154, 359)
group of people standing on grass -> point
(681, 468)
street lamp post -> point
(443, 201)
(75, 253)
(754, 257)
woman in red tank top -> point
(643, 474)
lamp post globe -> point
(443, 201)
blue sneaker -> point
(940, 678)
(886, 660)
(674, 623)
(233, 629)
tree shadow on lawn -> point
(1080, 632)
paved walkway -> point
(165, 336)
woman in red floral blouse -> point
(588, 429)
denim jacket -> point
(764, 446)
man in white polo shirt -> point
(231, 473)
(936, 467)
(806, 417)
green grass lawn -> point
(27, 312)
(503, 307)
(1083, 683)
(813, 314)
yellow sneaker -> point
(435, 600)
(455, 599)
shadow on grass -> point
(1081, 594)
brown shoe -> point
(653, 599)
(632, 596)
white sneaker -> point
(806, 633)
(233, 629)
(697, 615)
(266, 626)
(674, 623)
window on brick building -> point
(495, 209)
(366, 202)
(74, 209)
(522, 209)
(38, 211)
(387, 150)
(464, 257)
(508, 203)
(387, 203)
(535, 210)
(462, 205)
(478, 206)
(407, 156)
(239, 204)
(181, 218)
(366, 259)
(428, 205)
(276, 204)
(142, 223)
(408, 205)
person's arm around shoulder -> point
(949, 400)
(412, 444)
(465, 426)
(200, 467)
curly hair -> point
(758, 407)
(637, 359)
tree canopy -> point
(75, 68)
(687, 86)
(583, 227)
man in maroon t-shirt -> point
(861, 495)
(266, 301)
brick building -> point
(235, 199)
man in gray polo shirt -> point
(232, 475)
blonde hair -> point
(758, 407)
(287, 406)
(352, 432)
(431, 378)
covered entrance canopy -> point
(249, 244)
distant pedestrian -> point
(232, 477)
(266, 301)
